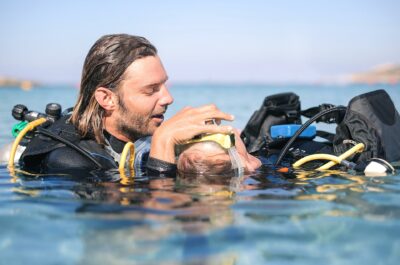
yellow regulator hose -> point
(358, 148)
(129, 147)
(334, 159)
(309, 158)
(29, 127)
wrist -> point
(160, 167)
(162, 147)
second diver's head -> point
(207, 158)
(212, 157)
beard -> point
(134, 125)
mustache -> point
(163, 111)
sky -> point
(258, 41)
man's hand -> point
(183, 126)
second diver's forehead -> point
(207, 148)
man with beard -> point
(123, 97)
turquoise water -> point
(267, 218)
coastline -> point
(16, 83)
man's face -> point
(143, 98)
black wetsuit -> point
(61, 149)
(46, 154)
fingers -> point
(212, 112)
(207, 112)
(190, 122)
(216, 115)
(187, 133)
(200, 116)
(213, 129)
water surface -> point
(266, 218)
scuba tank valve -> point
(52, 113)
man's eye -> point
(148, 91)
(151, 90)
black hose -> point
(70, 144)
(285, 149)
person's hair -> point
(201, 162)
(105, 66)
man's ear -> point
(106, 98)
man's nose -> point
(166, 97)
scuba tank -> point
(53, 112)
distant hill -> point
(12, 82)
(382, 74)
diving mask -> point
(226, 141)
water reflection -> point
(204, 219)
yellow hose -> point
(334, 159)
(30, 126)
(129, 147)
(355, 149)
(309, 158)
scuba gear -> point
(129, 147)
(226, 141)
(52, 113)
(285, 149)
(378, 167)
(30, 126)
(333, 159)
(17, 128)
(276, 109)
(288, 130)
(59, 147)
(372, 119)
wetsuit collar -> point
(116, 144)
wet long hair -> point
(104, 66)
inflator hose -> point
(29, 127)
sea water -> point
(267, 218)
